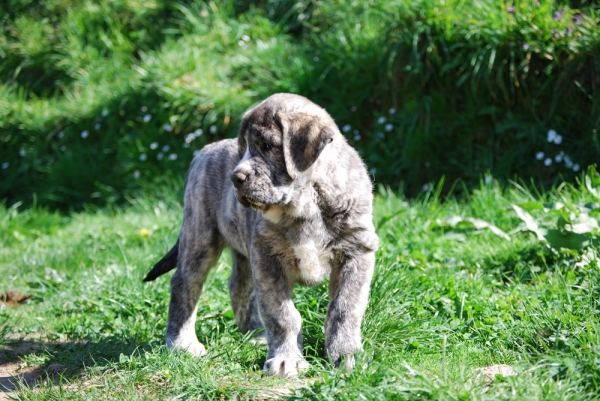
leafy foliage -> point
(576, 225)
(99, 98)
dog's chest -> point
(313, 261)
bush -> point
(98, 99)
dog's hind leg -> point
(243, 296)
(199, 251)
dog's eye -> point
(265, 147)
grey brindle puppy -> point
(293, 201)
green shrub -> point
(100, 99)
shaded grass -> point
(442, 305)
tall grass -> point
(98, 98)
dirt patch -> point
(14, 298)
(14, 376)
(284, 390)
(488, 374)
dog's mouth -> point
(249, 202)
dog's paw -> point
(192, 346)
(347, 363)
(285, 367)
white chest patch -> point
(273, 213)
(314, 262)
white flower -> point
(568, 162)
(392, 111)
(245, 38)
(143, 157)
(147, 118)
(154, 145)
(559, 157)
(547, 162)
(357, 137)
(346, 128)
(389, 127)
(213, 129)
(551, 135)
(144, 109)
(5, 165)
(381, 120)
(196, 153)
(558, 139)
(381, 135)
(136, 174)
(539, 155)
(172, 156)
(190, 137)
(166, 148)
(84, 134)
(488, 178)
(104, 113)
(159, 156)
(241, 43)
(61, 134)
(167, 128)
(22, 152)
(97, 127)
(576, 167)
(426, 187)
(373, 171)
(186, 145)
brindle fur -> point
(293, 201)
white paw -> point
(347, 363)
(285, 367)
(193, 346)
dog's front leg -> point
(349, 294)
(281, 319)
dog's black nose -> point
(238, 179)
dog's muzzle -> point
(238, 178)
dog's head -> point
(279, 141)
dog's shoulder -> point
(208, 175)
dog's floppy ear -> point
(304, 138)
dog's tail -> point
(166, 264)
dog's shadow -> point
(20, 371)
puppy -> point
(293, 201)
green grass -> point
(93, 92)
(444, 303)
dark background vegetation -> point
(101, 100)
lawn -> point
(450, 297)
(486, 286)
